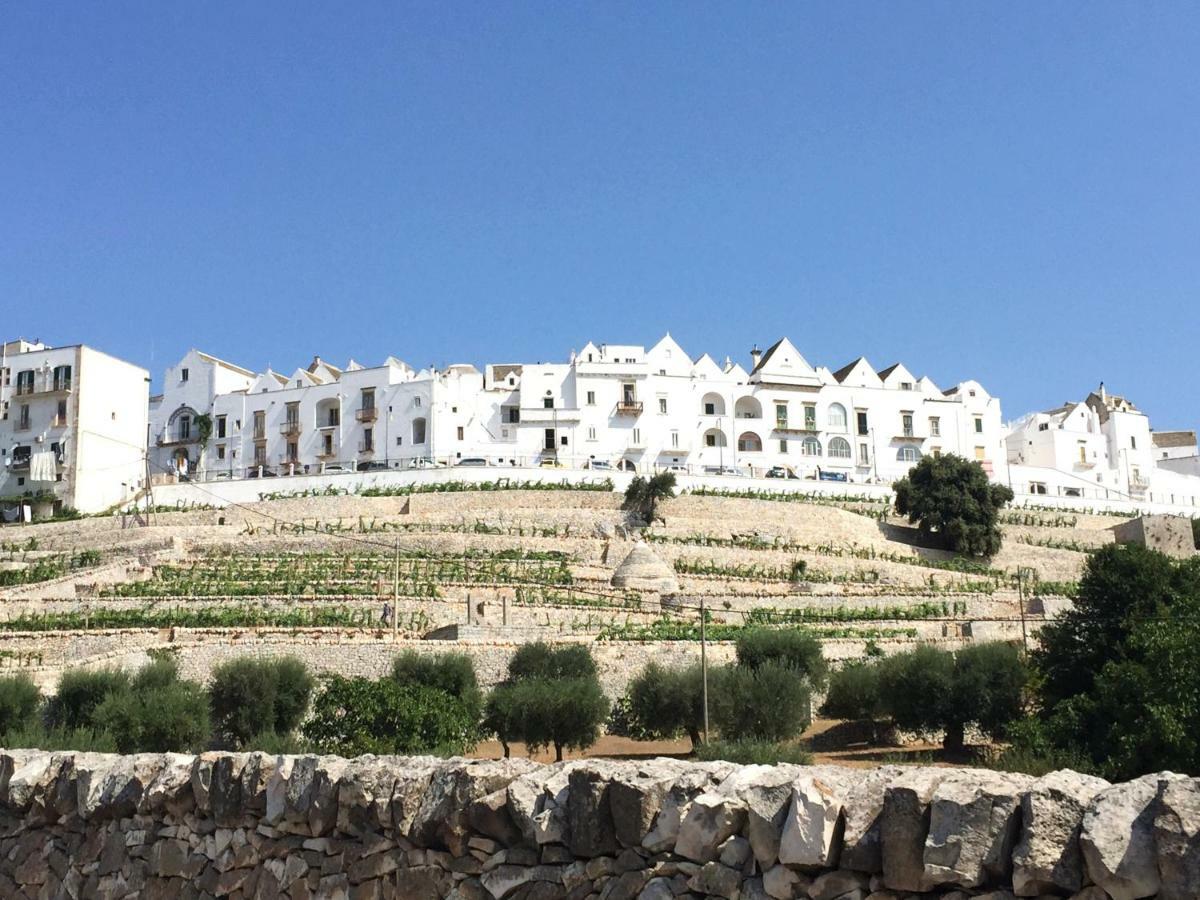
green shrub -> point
(769, 703)
(854, 693)
(788, 647)
(80, 693)
(353, 716)
(19, 702)
(951, 498)
(78, 740)
(643, 495)
(160, 713)
(552, 698)
(666, 702)
(761, 753)
(915, 688)
(989, 686)
(249, 696)
(453, 673)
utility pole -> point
(704, 666)
(395, 590)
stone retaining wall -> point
(251, 825)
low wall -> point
(46, 655)
(251, 825)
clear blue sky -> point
(1006, 191)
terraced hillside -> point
(489, 570)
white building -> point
(1101, 448)
(73, 426)
(607, 406)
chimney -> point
(755, 356)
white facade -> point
(1099, 449)
(618, 406)
(73, 425)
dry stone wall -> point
(251, 825)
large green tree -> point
(644, 494)
(951, 499)
(1119, 674)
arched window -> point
(418, 430)
(749, 442)
(712, 405)
(747, 408)
(837, 419)
(908, 454)
(810, 447)
(714, 437)
(839, 448)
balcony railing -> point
(22, 426)
(365, 447)
(260, 434)
(290, 427)
(367, 414)
(629, 408)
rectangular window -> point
(591, 398)
(260, 455)
(937, 452)
(185, 428)
(62, 378)
(935, 426)
(979, 453)
(368, 398)
(979, 424)
(368, 439)
(783, 445)
(628, 393)
(260, 425)
(781, 416)
(460, 432)
(547, 403)
(810, 417)
(662, 406)
(710, 440)
(293, 415)
(637, 437)
(548, 439)
(512, 414)
(1132, 442)
(1082, 452)
(863, 458)
(293, 451)
(591, 433)
(220, 451)
(24, 417)
(327, 445)
(906, 423)
(25, 382)
(906, 385)
(60, 416)
(221, 427)
(183, 375)
(675, 439)
(710, 409)
(861, 416)
(563, 440)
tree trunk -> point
(558, 752)
(504, 744)
(954, 739)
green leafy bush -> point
(160, 712)
(352, 716)
(453, 673)
(768, 703)
(249, 696)
(666, 702)
(19, 702)
(854, 693)
(952, 498)
(788, 647)
(552, 697)
(644, 494)
(80, 693)
(760, 753)
(916, 688)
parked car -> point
(831, 476)
(372, 465)
(782, 472)
(551, 464)
(677, 468)
(334, 468)
(471, 461)
(600, 464)
(425, 462)
(253, 472)
(724, 470)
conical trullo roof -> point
(642, 570)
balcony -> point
(809, 426)
(367, 414)
(908, 435)
(366, 447)
(58, 422)
(629, 408)
(260, 434)
(290, 427)
(325, 457)
(25, 425)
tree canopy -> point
(951, 497)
